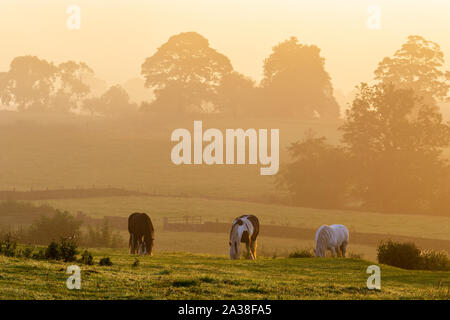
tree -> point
(34, 84)
(296, 82)
(115, 101)
(418, 65)
(318, 176)
(73, 88)
(186, 66)
(236, 93)
(395, 142)
(28, 84)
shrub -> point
(53, 251)
(106, 261)
(87, 258)
(59, 226)
(68, 249)
(8, 246)
(303, 253)
(408, 256)
(434, 260)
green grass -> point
(193, 276)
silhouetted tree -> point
(236, 94)
(187, 68)
(35, 84)
(418, 65)
(296, 82)
(115, 101)
(29, 83)
(318, 176)
(395, 141)
(72, 87)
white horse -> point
(244, 229)
(334, 238)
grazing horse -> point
(334, 238)
(141, 232)
(244, 229)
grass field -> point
(130, 153)
(194, 276)
(433, 227)
(225, 211)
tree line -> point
(186, 76)
(391, 156)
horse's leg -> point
(253, 248)
(135, 244)
(333, 252)
(130, 243)
(344, 248)
(249, 251)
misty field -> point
(194, 276)
(133, 153)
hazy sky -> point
(117, 35)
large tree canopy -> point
(296, 82)
(395, 142)
(187, 63)
(29, 83)
(35, 84)
(419, 65)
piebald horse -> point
(244, 229)
(334, 238)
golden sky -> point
(117, 35)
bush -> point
(303, 253)
(53, 251)
(87, 258)
(59, 226)
(408, 256)
(68, 249)
(8, 246)
(435, 260)
(106, 261)
(401, 255)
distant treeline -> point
(186, 76)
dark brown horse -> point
(141, 232)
